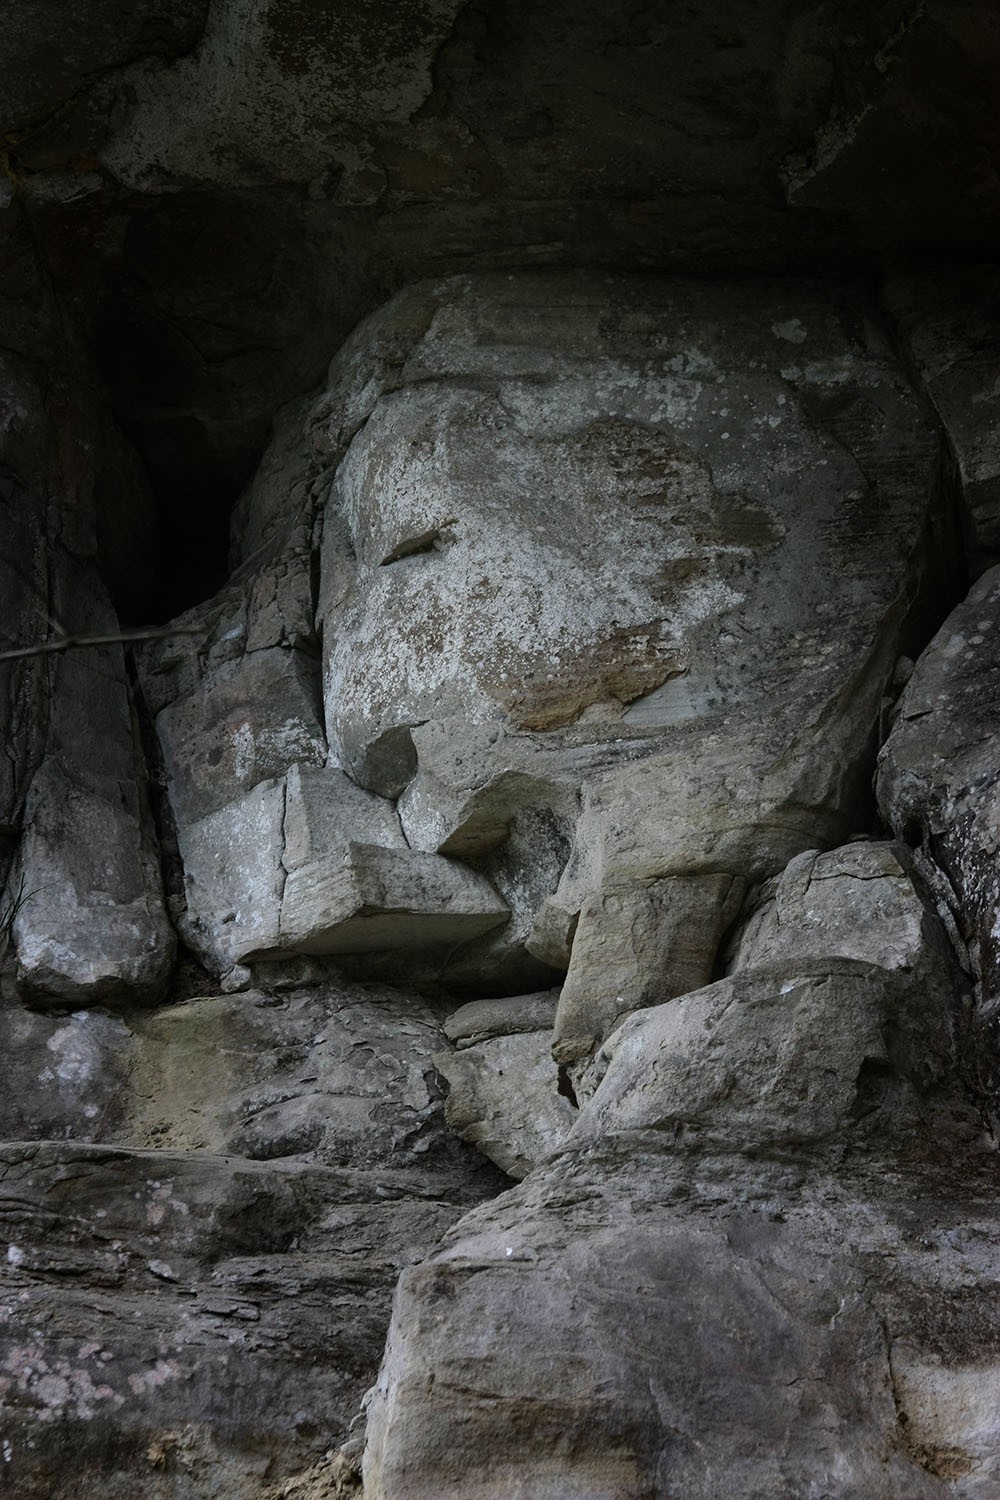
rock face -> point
(937, 775)
(90, 925)
(949, 322)
(671, 460)
(480, 489)
(212, 1252)
(752, 1233)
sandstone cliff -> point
(499, 963)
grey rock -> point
(94, 929)
(660, 638)
(503, 1099)
(937, 775)
(860, 901)
(67, 1074)
(333, 1074)
(731, 1246)
(481, 1020)
(376, 898)
(221, 1316)
(676, 1320)
(638, 945)
(950, 324)
(311, 864)
(246, 723)
(234, 878)
(771, 1058)
(266, 1164)
(73, 787)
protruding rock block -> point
(366, 898)
(313, 864)
(858, 901)
(772, 1057)
(938, 777)
(636, 946)
(93, 928)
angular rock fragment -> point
(234, 877)
(859, 901)
(313, 864)
(637, 945)
(773, 1057)
(503, 1093)
(481, 1020)
(372, 898)
(503, 1099)
(938, 777)
(950, 322)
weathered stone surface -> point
(859, 901)
(637, 945)
(481, 1020)
(233, 877)
(247, 723)
(951, 326)
(313, 864)
(334, 1075)
(503, 1099)
(214, 1277)
(789, 1291)
(733, 1240)
(673, 1324)
(771, 1058)
(66, 1074)
(209, 1320)
(93, 927)
(375, 898)
(600, 399)
(937, 775)
(667, 488)
(730, 1249)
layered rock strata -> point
(516, 794)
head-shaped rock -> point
(636, 542)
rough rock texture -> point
(92, 926)
(937, 776)
(949, 321)
(211, 1233)
(762, 1235)
(689, 473)
(503, 1094)
(520, 686)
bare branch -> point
(121, 637)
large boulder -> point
(85, 892)
(938, 775)
(758, 1265)
(684, 657)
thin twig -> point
(121, 637)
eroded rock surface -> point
(206, 1211)
(557, 634)
(777, 1196)
(937, 775)
(92, 925)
